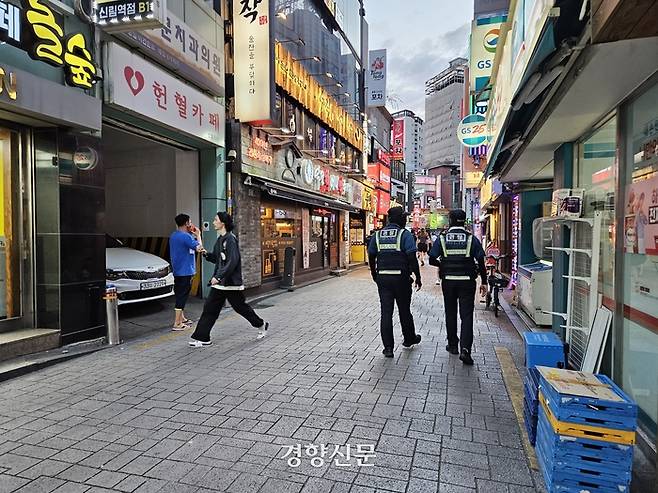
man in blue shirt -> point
(392, 258)
(460, 259)
(183, 245)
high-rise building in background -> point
(412, 143)
(443, 102)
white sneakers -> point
(195, 343)
(262, 331)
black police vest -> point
(457, 262)
(391, 260)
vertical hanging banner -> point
(397, 140)
(484, 42)
(254, 63)
(377, 79)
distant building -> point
(413, 149)
(443, 101)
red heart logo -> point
(138, 85)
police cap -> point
(457, 217)
(396, 213)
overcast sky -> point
(421, 37)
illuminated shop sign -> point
(130, 15)
(38, 30)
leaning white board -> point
(597, 338)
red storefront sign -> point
(385, 177)
(397, 140)
(380, 175)
(383, 202)
(384, 157)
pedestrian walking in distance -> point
(184, 243)
(460, 258)
(423, 239)
(392, 259)
(226, 284)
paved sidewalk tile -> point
(155, 415)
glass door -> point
(12, 256)
(638, 227)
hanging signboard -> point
(254, 87)
(472, 130)
(397, 140)
(377, 79)
(140, 87)
(129, 15)
(485, 34)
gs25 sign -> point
(472, 131)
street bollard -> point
(288, 281)
(112, 311)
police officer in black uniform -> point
(392, 257)
(460, 258)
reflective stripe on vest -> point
(458, 278)
(390, 272)
(389, 246)
(465, 252)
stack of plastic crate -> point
(584, 443)
(531, 403)
(545, 349)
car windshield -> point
(111, 242)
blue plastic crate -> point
(531, 412)
(590, 411)
(530, 398)
(558, 482)
(543, 349)
(530, 426)
(616, 453)
(533, 377)
(603, 461)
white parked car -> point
(138, 276)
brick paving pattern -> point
(156, 416)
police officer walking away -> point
(392, 258)
(460, 258)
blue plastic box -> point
(543, 349)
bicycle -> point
(496, 282)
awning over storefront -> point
(281, 191)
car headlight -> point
(113, 275)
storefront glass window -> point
(596, 175)
(10, 274)
(640, 257)
(281, 227)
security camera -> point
(232, 156)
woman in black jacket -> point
(226, 284)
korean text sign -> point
(296, 81)
(179, 47)
(377, 78)
(253, 75)
(40, 31)
(397, 140)
(143, 88)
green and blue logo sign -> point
(491, 40)
(472, 131)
